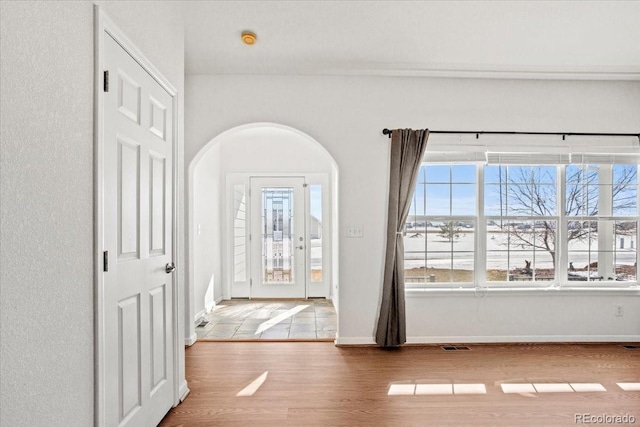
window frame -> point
(561, 277)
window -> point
(239, 234)
(439, 236)
(315, 231)
(501, 225)
(520, 204)
(602, 226)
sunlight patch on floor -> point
(254, 386)
(629, 386)
(271, 322)
(507, 388)
(435, 389)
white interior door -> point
(138, 286)
(278, 238)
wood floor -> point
(318, 384)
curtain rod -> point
(386, 131)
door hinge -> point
(305, 185)
(105, 261)
(250, 282)
(249, 237)
(106, 80)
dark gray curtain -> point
(407, 150)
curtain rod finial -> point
(386, 131)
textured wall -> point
(46, 189)
(47, 214)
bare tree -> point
(532, 193)
(450, 231)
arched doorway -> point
(262, 219)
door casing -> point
(313, 289)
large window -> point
(513, 224)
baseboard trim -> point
(184, 390)
(189, 341)
(355, 341)
(218, 300)
(199, 315)
(523, 339)
(369, 341)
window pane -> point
(519, 199)
(439, 252)
(239, 234)
(463, 199)
(463, 174)
(519, 174)
(495, 174)
(462, 267)
(602, 250)
(625, 200)
(544, 174)
(438, 199)
(438, 173)
(521, 250)
(582, 174)
(495, 200)
(625, 174)
(315, 231)
(277, 235)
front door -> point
(138, 225)
(278, 238)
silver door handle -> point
(169, 268)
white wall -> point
(346, 115)
(208, 187)
(260, 149)
(46, 185)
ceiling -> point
(510, 39)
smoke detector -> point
(249, 37)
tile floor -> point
(242, 319)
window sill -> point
(519, 291)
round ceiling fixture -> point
(249, 37)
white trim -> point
(522, 339)
(184, 390)
(104, 25)
(199, 315)
(521, 291)
(355, 341)
(479, 71)
(368, 341)
(191, 340)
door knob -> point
(169, 268)
(300, 247)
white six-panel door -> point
(138, 291)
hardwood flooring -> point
(318, 384)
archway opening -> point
(244, 245)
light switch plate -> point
(355, 232)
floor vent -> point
(631, 347)
(455, 348)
